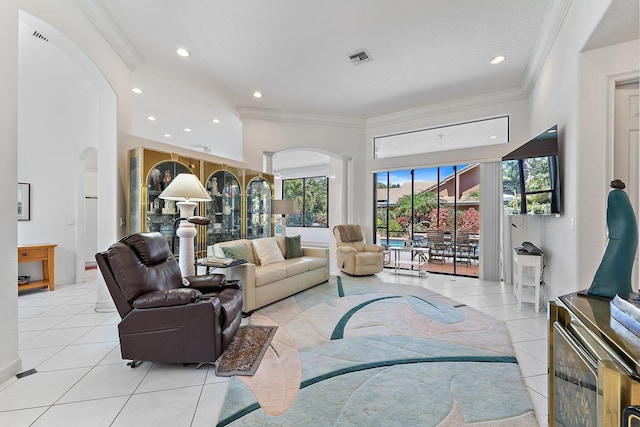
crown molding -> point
(549, 30)
(304, 118)
(95, 11)
(486, 100)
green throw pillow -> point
(294, 249)
(236, 252)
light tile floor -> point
(82, 381)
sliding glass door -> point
(435, 208)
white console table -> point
(528, 273)
(418, 256)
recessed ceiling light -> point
(153, 119)
(257, 94)
(183, 52)
(167, 135)
(497, 59)
(216, 120)
(492, 137)
(186, 130)
(136, 90)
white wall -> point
(57, 122)
(572, 92)
(10, 363)
(106, 75)
(599, 70)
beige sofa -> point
(265, 284)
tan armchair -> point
(354, 255)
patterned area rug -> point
(243, 355)
(356, 353)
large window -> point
(310, 198)
(436, 208)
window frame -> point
(303, 208)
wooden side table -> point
(43, 253)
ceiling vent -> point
(359, 57)
(38, 35)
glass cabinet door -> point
(224, 210)
(160, 214)
(258, 209)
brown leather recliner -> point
(162, 319)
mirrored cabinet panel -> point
(259, 195)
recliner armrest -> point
(207, 283)
(371, 247)
(168, 298)
(347, 250)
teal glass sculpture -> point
(614, 273)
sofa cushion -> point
(216, 249)
(315, 262)
(267, 250)
(296, 266)
(270, 273)
(238, 251)
(294, 248)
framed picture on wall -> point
(24, 201)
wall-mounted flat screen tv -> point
(531, 177)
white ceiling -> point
(295, 52)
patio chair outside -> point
(437, 245)
(463, 246)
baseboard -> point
(10, 369)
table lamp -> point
(187, 191)
(283, 207)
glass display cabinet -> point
(150, 172)
(224, 184)
(259, 194)
(240, 205)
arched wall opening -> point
(67, 111)
(311, 162)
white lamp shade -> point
(185, 187)
(282, 207)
